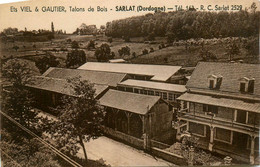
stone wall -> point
(173, 158)
(136, 142)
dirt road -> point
(119, 154)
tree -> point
(134, 55)
(91, 44)
(80, 117)
(103, 53)
(46, 62)
(207, 55)
(252, 46)
(18, 101)
(52, 28)
(75, 58)
(75, 45)
(110, 39)
(16, 48)
(232, 49)
(26, 153)
(124, 51)
(10, 31)
(145, 51)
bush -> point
(75, 45)
(75, 58)
(145, 51)
(126, 38)
(110, 39)
(91, 44)
(124, 51)
(134, 54)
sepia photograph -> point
(126, 83)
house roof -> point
(231, 74)
(157, 72)
(154, 85)
(97, 77)
(132, 102)
(223, 102)
(59, 85)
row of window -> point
(222, 135)
(241, 116)
(164, 95)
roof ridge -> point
(152, 82)
(133, 64)
(53, 68)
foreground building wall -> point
(222, 108)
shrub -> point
(145, 51)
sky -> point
(69, 21)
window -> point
(246, 85)
(213, 109)
(241, 116)
(129, 89)
(145, 92)
(219, 81)
(150, 92)
(141, 91)
(242, 87)
(157, 94)
(210, 108)
(211, 84)
(197, 129)
(251, 85)
(121, 88)
(223, 135)
(170, 96)
(136, 90)
(164, 96)
(205, 107)
(215, 81)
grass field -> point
(171, 55)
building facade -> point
(222, 108)
(136, 114)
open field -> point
(170, 55)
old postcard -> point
(103, 83)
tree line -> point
(183, 25)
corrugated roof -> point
(224, 102)
(59, 85)
(158, 72)
(154, 85)
(231, 74)
(126, 101)
(98, 77)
